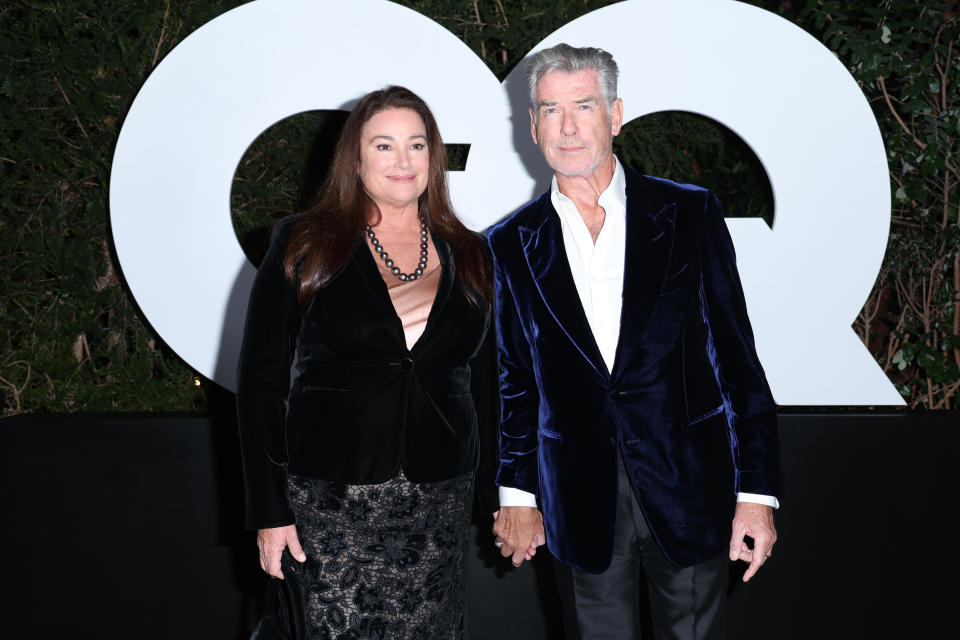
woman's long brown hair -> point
(325, 238)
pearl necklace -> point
(395, 270)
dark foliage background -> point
(72, 340)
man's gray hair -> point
(563, 57)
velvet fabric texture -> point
(330, 390)
(284, 617)
(687, 402)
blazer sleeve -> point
(519, 395)
(483, 384)
(263, 380)
(750, 409)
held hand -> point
(272, 542)
(521, 531)
(756, 521)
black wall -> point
(129, 527)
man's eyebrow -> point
(583, 100)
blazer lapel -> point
(367, 265)
(650, 234)
(546, 257)
(447, 278)
(377, 288)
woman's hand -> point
(272, 542)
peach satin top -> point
(412, 299)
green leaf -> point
(899, 360)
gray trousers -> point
(685, 604)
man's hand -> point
(756, 521)
(272, 542)
(521, 531)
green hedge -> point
(71, 338)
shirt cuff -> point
(512, 497)
(758, 498)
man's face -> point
(572, 125)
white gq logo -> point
(776, 86)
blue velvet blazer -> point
(329, 390)
(686, 404)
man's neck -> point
(584, 191)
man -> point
(635, 410)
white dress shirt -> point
(598, 275)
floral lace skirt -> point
(386, 561)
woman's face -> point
(394, 158)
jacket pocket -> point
(326, 379)
(704, 417)
(674, 281)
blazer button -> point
(407, 364)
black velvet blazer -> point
(330, 390)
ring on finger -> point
(498, 543)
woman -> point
(366, 386)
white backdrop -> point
(773, 84)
